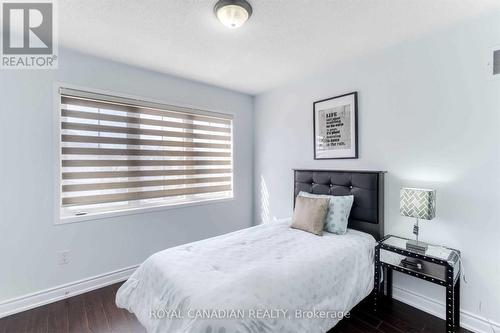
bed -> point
(267, 278)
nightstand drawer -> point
(430, 271)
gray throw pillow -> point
(309, 214)
(339, 209)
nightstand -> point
(438, 264)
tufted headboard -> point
(367, 213)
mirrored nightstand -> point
(438, 264)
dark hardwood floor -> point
(96, 312)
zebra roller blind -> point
(120, 154)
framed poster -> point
(335, 131)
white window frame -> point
(57, 157)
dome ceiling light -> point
(233, 13)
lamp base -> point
(417, 246)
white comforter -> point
(253, 280)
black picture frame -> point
(354, 154)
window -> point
(120, 154)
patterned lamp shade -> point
(418, 203)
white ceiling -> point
(284, 40)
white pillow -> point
(339, 209)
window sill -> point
(138, 210)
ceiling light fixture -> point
(233, 13)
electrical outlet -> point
(63, 257)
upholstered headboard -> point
(367, 213)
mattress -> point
(267, 278)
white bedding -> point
(264, 273)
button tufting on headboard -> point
(367, 213)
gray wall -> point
(429, 115)
(28, 239)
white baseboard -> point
(26, 302)
(468, 320)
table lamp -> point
(420, 204)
